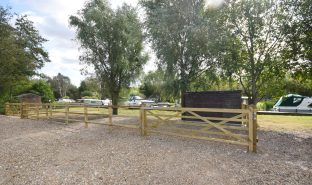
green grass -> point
(270, 122)
(289, 123)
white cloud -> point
(51, 18)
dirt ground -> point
(44, 152)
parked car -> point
(138, 101)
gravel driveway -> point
(43, 152)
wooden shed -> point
(213, 99)
(29, 98)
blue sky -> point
(51, 19)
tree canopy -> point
(21, 52)
(111, 42)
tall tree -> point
(257, 24)
(179, 35)
(21, 51)
(111, 41)
(60, 84)
(297, 30)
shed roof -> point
(27, 94)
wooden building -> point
(29, 98)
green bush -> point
(265, 105)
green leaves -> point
(112, 43)
(21, 51)
(178, 33)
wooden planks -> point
(210, 126)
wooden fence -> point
(153, 120)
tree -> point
(152, 85)
(60, 84)
(21, 52)
(179, 33)
(257, 24)
(43, 89)
(111, 41)
(297, 30)
(92, 87)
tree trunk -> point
(115, 96)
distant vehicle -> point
(138, 101)
(90, 101)
(293, 103)
(66, 100)
(106, 101)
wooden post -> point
(50, 109)
(110, 114)
(143, 121)
(21, 110)
(37, 111)
(252, 129)
(244, 107)
(24, 111)
(85, 108)
(7, 107)
(66, 113)
(47, 111)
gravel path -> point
(43, 152)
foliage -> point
(60, 85)
(179, 34)
(73, 92)
(265, 105)
(111, 41)
(21, 53)
(297, 30)
(152, 84)
(94, 87)
(43, 89)
(257, 24)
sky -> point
(51, 18)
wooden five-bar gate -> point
(182, 121)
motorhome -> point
(294, 103)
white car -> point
(138, 101)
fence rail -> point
(154, 120)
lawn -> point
(270, 122)
(288, 123)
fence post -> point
(85, 108)
(110, 114)
(244, 107)
(7, 107)
(66, 113)
(143, 123)
(141, 120)
(252, 129)
(23, 110)
(37, 110)
(50, 109)
(47, 111)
